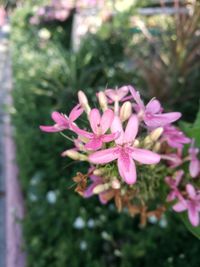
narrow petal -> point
(59, 118)
(81, 132)
(193, 214)
(106, 120)
(89, 191)
(153, 106)
(104, 156)
(136, 96)
(145, 156)
(94, 144)
(157, 120)
(116, 127)
(194, 167)
(94, 118)
(109, 137)
(51, 129)
(75, 113)
(191, 191)
(179, 207)
(127, 169)
(123, 91)
(131, 129)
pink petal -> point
(116, 127)
(131, 129)
(111, 93)
(94, 144)
(194, 167)
(179, 207)
(94, 118)
(157, 120)
(179, 176)
(193, 214)
(109, 137)
(191, 191)
(127, 170)
(153, 106)
(106, 120)
(59, 118)
(104, 156)
(136, 96)
(81, 132)
(75, 113)
(145, 156)
(123, 91)
(51, 129)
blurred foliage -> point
(60, 228)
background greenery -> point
(60, 228)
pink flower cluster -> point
(60, 10)
(125, 134)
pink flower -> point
(124, 151)
(96, 180)
(100, 125)
(173, 184)
(62, 122)
(117, 94)
(174, 159)
(152, 112)
(174, 137)
(194, 166)
(191, 204)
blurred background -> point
(58, 47)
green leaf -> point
(194, 230)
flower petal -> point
(136, 96)
(81, 132)
(106, 120)
(194, 167)
(191, 191)
(109, 137)
(75, 113)
(145, 156)
(104, 156)
(157, 120)
(94, 118)
(153, 106)
(116, 127)
(131, 129)
(179, 207)
(52, 129)
(94, 144)
(193, 214)
(127, 169)
(59, 118)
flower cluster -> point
(61, 10)
(135, 154)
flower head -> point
(124, 151)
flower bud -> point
(155, 134)
(73, 154)
(153, 137)
(100, 188)
(98, 172)
(84, 101)
(136, 143)
(115, 184)
(102, 100)
(125, 111)
(157, 147)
